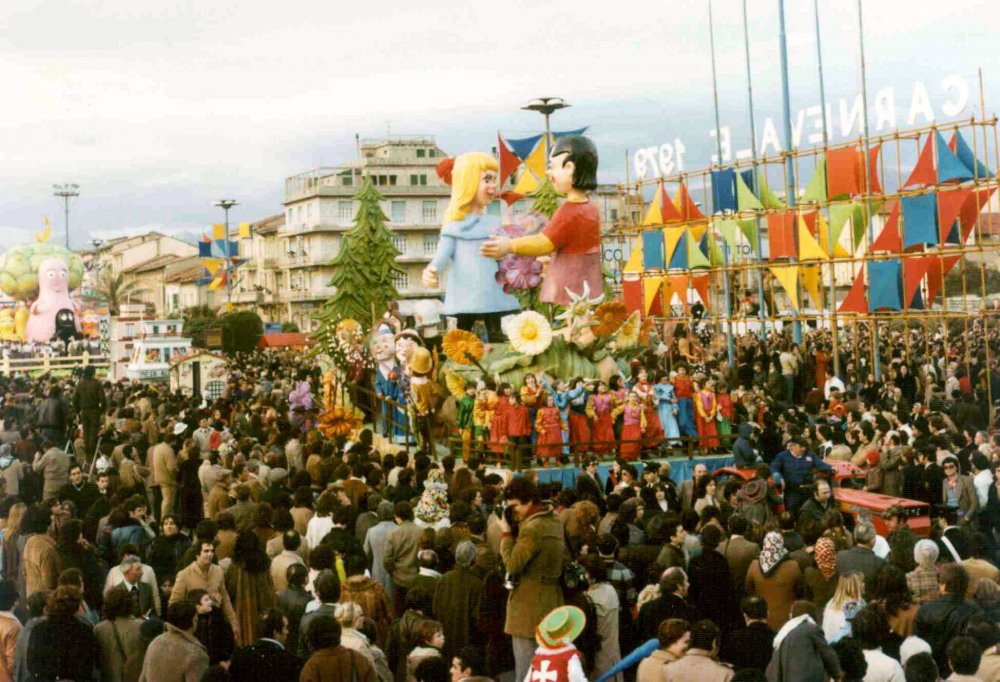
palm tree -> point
(112, 289)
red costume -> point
(603, 430)
(682, 386)
(553, 665)
(518, 421)
(705, 411)
(498, 426)
(575, 231)
(632, 426)
(549, 425)
(653, 432)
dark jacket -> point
(292, 603)
(803, 656)
(748, 647)
(814, 510)
(744, 455)
(65, 649)
(941, 620)
(660, 609)
(143, 602)
(860, 559)
(89, 396)
(712, 590)
(165, 555)
(264, 661)
(214, 631)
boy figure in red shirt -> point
(518, 429)
(573, 236)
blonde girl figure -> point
(471, 289)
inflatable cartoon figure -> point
(387, 375)
(7, 325)
(53, 296)
(573, 236)
(471, 290)
(91, 326)
(21, 322)
(300, 404)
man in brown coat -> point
(400, 557)
(176, 655)
(534, 561)
(40, 558)
(738, 551)
(165, 473)
(203, 574)
(331, 662)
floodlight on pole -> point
(546, 106)
(66, 192)
(225, 205)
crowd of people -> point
(148, 535)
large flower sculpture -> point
(609, 316)
(530, 333)
(580, 306)
(520, 273)
(462, 347)
(627, 335)
(339, 421)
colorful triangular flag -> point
(219, 232)
(809, 248)
(746, 200)
(527, 183)
(889, 239)
(508, 160)
(855, 301)
(788, 276)
(816, 189)
(696, 258)
(949, 166)
(244, 231)
(823, 230)
(524, 146)
(650, 291)
(671, 237)
(968, 157)
(949, 206)
(809, 277)
(685, 204)
(536, 161)
(923, 173)
(727, 229)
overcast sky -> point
(157, 108)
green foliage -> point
(241, 331)
(363, 270)
(113, 290)
(19, 268)
(546, 198)
(197, 319)
(970, 272)
(289, 327)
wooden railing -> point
(45, 364)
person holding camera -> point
(534, 561)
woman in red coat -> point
(603, 426)
(498, 426)
(633, 424)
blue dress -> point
(666, 404)
(471, 286)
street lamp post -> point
(66, 192)
(225, 205)
(545, 106)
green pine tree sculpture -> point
(364, 269)
(545, 199)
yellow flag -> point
(244, 230)
(650, 288)
(527, 183)
(698, 230)
(654, 216)
(788, 276)
(536, 159)
(218, 232)
(634, 262)
(809, 276)
(809, 248)
(823, 230)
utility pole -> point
(545, 106)
(66, 192)
(225, 205)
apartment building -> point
(319, 209)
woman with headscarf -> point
(820, 581)
(775, 578)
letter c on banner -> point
(960, 87)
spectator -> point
(674, 635)
(964, 657)
(203, 574)
(10, 628)
(943, 619)
(848, 598)
(800, 650)
(922, 668)
(118, 637)
(211, 627)
(750, 646)
(774, 578)
(923, 580)
(861, 558)
(699, 663)
(400, 558)
(62, 647)
(869, 629)
(669, 604)
(292, 602)
(457, 599)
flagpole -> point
(786, 108)
(831, 244)
(753, 156)
(730, 344)
(876, 361)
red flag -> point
(508, 161)
(632, 295)
(689, 209)
(781, 234)
(971, 209)
(924, 173)
(914, 270)
(950, 204)
(855, 301)
(700, 284)
(679, 285)
(888, 239)
(667, 208)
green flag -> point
(727, 228)
(749, 230)
(696, 258)
(860, 217)
(840, 213)
(769, 198)
(816, 190)
(745, 198)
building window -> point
(423, 179)
(346, 181)
(382, 180)
(430, 153)
(344, 211)
(174, 301)
(421, 153)
(613, 214)
(392, 179)
(430, 244)
(398, 211)
(401, 281)
(414, 179)
(214, 390)
(400, 244)
(429, 211)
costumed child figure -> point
(498, 425)
(666, 408)
(579, 425)
(389, 419)
(573, 236)
(653, 432)
(465, 419)
(482, 417)
(532, 397)
(550, 426)
(472, 291)
(406, 342)
(726, 414)
(518, 429)
(556, 659)
(633, 424)
(599, 410)
(706, 410)
(422, 397)
(685, 405)
(619, 394)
